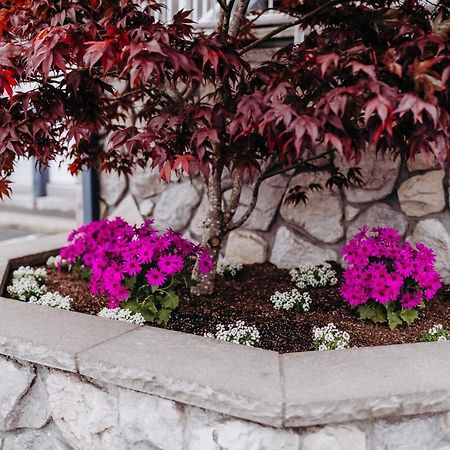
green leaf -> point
(394, 319)
(374, 312)
(409, 315)
(171, 300)
(163, 316)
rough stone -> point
(15, 381)
(146, 207)
(444, 421)
(421, 162)
(145, 183)
(246, 247)
(422, 194)
(433, 234)
(128, 210)
(290, 251)
(336, 438)
(321, 215)
(351, 212)
(175, 206)
(86, 416)
(32, 410)
(412, 434)
(150, 421)
(378, 215)
(197, 223)
(48, 438)
(112, 187)
(379, 176)
(270, 194)
(215, 432)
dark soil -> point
(246, 297)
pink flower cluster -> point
(115, 251)
(383, 268)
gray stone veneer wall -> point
(49, 409)
(409, 196)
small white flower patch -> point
(27, 282)
(237, 333)
(436, 333)
(313, 276)
(53, 300)
(228, 268)
(330, 338)
(56, 262)
(122, 314)
(39, 274)
(291, 301)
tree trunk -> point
(212, 235)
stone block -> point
(321, 215)
(149, 421)
(290, 250)
(50, 336)
(379, 175)
(176, 205)
(246, 247)
(128, 210)
(86, 416)
(432, 233)
(421, 195)
(112, 187)
(16, 379)
(336, 438)
(378, 215)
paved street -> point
(7, 233)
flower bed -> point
(247, 298)
(138, 275)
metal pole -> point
(91, 207)
(40, 179)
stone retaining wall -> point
(71, 381)
(410, 196)
(48, 409)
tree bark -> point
(212, 235)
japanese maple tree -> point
(104, 84)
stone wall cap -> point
(227, 378)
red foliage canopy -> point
(369, 74)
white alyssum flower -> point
(28, 282)
(237, 333)
(53, 300)
(228, 268)
(122, 314)
(56, 262)
(313, 276)
(330, 338)
(436, 333)
(39, 274)
(291, 301)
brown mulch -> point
(246, 297)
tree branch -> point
(223, 5)
(272, 173)
(237, 14)
(234, 198)
(267, 173)
(289, 25)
